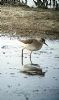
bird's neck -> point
(40, 43)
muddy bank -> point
(29, 21)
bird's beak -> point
(45, 44)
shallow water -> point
(15, 85)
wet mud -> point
(37, 81)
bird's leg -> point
(22, 56)
(22, 52)
(30, 57)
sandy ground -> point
(29, 21)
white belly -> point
(33, 47)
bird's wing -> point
(28, 41)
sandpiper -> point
(32, 45)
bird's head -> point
(43, 41)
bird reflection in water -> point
(31, 69)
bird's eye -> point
(43, 40)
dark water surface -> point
(15, 85)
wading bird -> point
(32, 45)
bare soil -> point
(29, 21)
